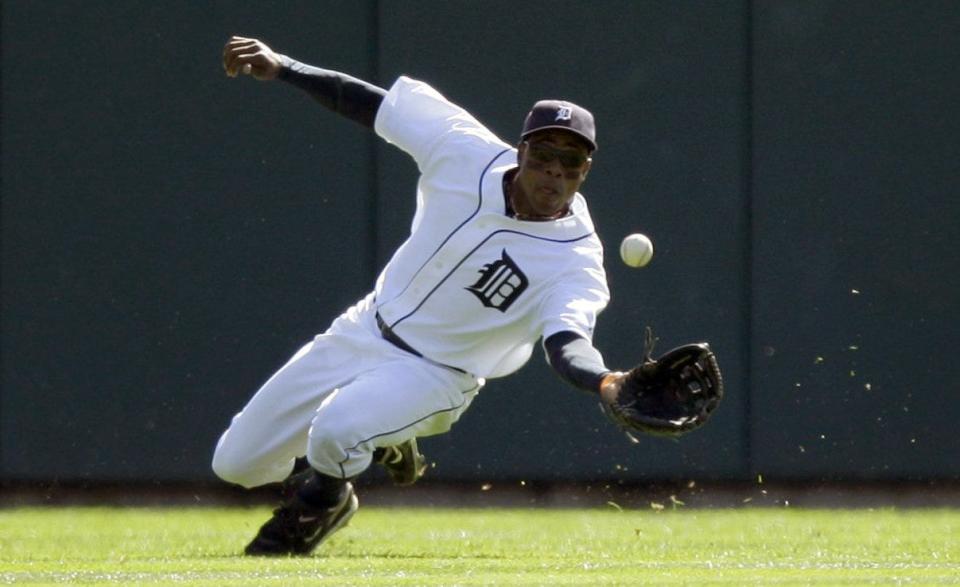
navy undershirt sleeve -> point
(575, 360)
(346, 95)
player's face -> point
(551, 166)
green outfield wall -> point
(171, 236)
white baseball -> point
(247, 69)
(636, 250)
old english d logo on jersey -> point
(500, 283)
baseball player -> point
(502, 253)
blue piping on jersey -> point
(455, 230)
(474, 249)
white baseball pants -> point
(340, 397)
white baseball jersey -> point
(472, 287)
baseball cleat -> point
(403, 462)
(290, 485)
(297, 528)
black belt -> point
(390, 336)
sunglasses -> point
(544, 153)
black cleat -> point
(297, 528)
(301, 474)
(403, 462)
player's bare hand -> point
(250, 57)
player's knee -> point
(234, 470)
(225, 467)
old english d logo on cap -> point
(561, 114)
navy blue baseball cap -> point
(547, 114)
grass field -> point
(386, 546)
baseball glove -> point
(668, 396)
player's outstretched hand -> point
(250, 57)
(669, 396)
